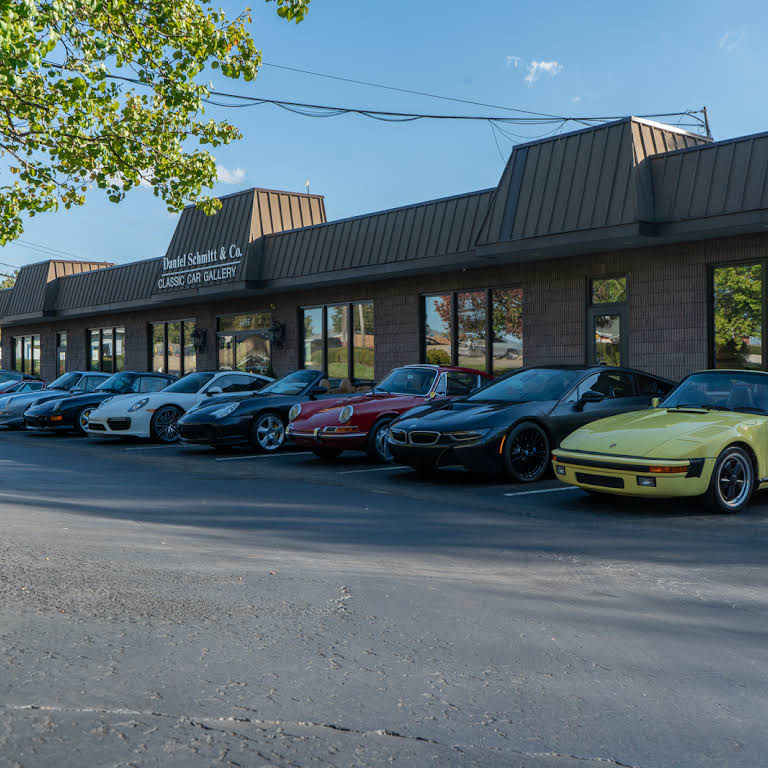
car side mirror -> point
(655, 402)
(214, 391)
(590, 396)
(319, 391)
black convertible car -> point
(71, 413)
(510, 425)
(258, 419)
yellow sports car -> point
(708, 438)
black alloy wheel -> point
(733, 481)
(526, 453)
(164, 427)
(327, 454)
(81, 420)
(378, 446)
(267, 433)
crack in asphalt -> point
(206, 722)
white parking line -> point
(152, 447)
(375, 469)
(263, 456)
(543, 490)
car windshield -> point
(292, 384)
(190, 384)
(67, 381)
(529, 384)
(119, 383)
(726, 391)
(408, 381)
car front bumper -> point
(214, 433)
(633, 475)
(47, 422)
(478, 456)
(329, 437)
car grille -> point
(424, 438)
(398, 436)
(605, 481)
(117, 424)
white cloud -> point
(576, 99)
(225, 176)
(538, 68)
(513, 61)
(730, 41)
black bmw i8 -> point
(510, 425)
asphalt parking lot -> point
(171, 605)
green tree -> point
(9, 281)
(738, 310)
(66, 124)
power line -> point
(320, 110)
(38, 246)
(403, 90)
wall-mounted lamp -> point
(198, 338)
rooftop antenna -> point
(306, 184)
(706, 122)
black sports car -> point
(258, 419)
(510, 425)
(71, 412)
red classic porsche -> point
(361, 423)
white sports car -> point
(155, 414)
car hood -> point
(21, 401)
(326, 411)
(71, 400)
(660, 432)
(463, 414)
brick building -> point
(631, 242)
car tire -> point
(81, 420)
(327, 454)
(526, 453)
(733, 481)
(377, 447)
(163, 428)
(267, 433)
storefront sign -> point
(199, 269)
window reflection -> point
(738, 317)
(437, 328)
(608, 339)
(507, 329)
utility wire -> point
(403, 90)
(320, 110)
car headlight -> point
(464, 436)
(220, 413)
(104, 402)
(346, 414)
(295, 412)
(139, 404)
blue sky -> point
(559, 57)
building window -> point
(242, 343)
(608, 321)
(338, 339)
(458, 325)
(738, 316)
(26, 354)
(171, 348)
(61, 353)
(313, 339)
(106, 349)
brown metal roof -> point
(446, 226)
(726, 177)
(583, 180)
(34, 291)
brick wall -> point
(668, 310)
